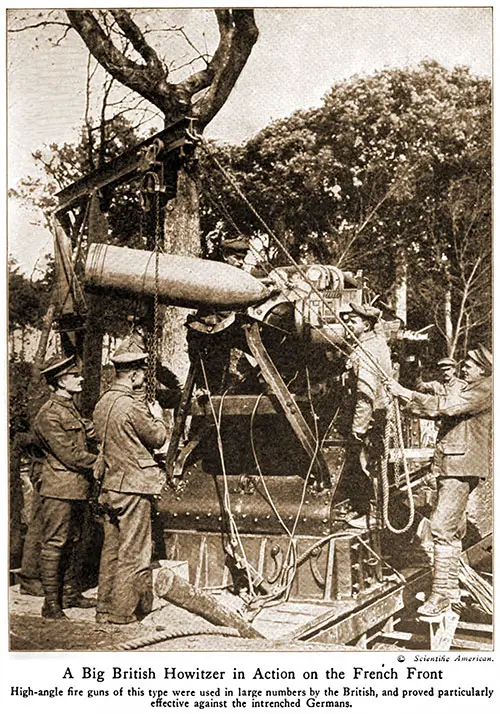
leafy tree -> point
(392, 175)
(131, 47)
(24, 300)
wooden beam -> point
(461, 644)
(330, 628)
(130, 163)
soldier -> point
(368, 364)
(129, 430)
(450, 383)
(29, 577)
(234, 251)
(462, 458)
(65, 476)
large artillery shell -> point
(180, 280)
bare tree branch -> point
(238, 33)
(57, 43)
(133, 33)
(44, 23)
(149, 80)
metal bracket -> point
(287, 402)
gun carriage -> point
(257, 467)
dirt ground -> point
(176, 629)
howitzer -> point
(258, 449)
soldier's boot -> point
(51, 581)
(145, 606)
(454, 569)
(438, 602)
(73, 598)
(72, 594)
(30, 586)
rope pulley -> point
(152, 183)
(150, 188)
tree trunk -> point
(181, 236)
(448, 323)
(401, 285)
(92, 355)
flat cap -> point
(368, 312)
(57, 366)
(447, 362)
(482, 357)
(130, 350)
(235, 245)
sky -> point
(300, 54)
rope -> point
(234, 536)
(257, 463)
(393, 431)
(291, 562)
(398, 434)
(172, 633)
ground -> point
(179, 631)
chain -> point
(154, 337)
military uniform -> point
(369, 361)
(453, 386)
(65, 475)
(367, 366)
(462, 458)
(128, 434)
(463, 451)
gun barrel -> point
(182, 280)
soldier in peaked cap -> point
(65, 477)
(368, 364)
(462, 458)
(235, 250)
(450, 382)
(129, 430)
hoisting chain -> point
(155, 333)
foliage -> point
(69, 162)
(392, 167)
(23, 403)
(28, 299)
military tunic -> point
(464, 439)
(369, 362)
(64, 473)
(441, 388)
(463, 452)
(129, 435)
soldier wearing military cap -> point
(462, 458)
(368, 364)
(234, 250)
(450, 382)
(65, 477)
(129, 430)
